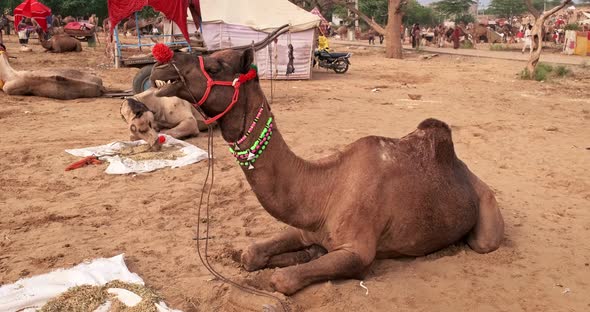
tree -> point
(376, 9)
(414, 13)
(453, 8)
(506, 8)
(464, 19)
(537, 32)
(392, 31)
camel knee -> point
(488, 233)
(483, 246)
(253, 259)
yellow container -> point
(582, 45)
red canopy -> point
(32, 9)
(174, 10)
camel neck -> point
(280, 179)
(6, 71)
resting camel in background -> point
(61, 43)
(62, 84)
(147, 115)
(380, 197)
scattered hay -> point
(88, 298)
(143, 152)
(80, 298)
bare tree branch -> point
(557, 8)
(531, 8)
(350, 5)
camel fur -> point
(380, 197)
(62, 84)
(61, 44)
(146, 115)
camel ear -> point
(246, 60)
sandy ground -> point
(527, 140)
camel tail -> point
(440, 133)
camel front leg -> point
(257, 255)
(296, 257)
(334, 265)
(185, 128)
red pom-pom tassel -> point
(162, 53)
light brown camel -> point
(147, 115)
(63, 84)
(378, 198)
(61, 43)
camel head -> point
(141, 122)
(225, 65)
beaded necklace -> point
(249, 156)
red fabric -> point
(78, 26)
(174, 10)
(32, 9)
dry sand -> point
(529, 141)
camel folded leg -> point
(185, 128)
(334, 265)
(296, 257)
(257, 255)
(488, 232)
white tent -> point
(229, 23)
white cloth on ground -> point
(32, 293)
(123, 165)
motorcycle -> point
(338, 62)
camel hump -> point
(440, 133)
(434, 123)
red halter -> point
(235, 84)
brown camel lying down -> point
(62, 84)
(146, 115)
(378, 198)
(62, 43)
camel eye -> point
(133, 128)
(150, 124)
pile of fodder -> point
(87, 298)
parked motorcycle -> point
(338, 62)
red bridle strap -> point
(211, 83)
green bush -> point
(572, 26)
(498, 47)
(542, 71)
(467, 44)
(562, 71)
(545, 71)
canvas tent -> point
(32, 9)
(229, 23)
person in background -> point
(417, 35)
(528, 40)
(371, 36)
(23, 32)
(323, 43)
(456, 37)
